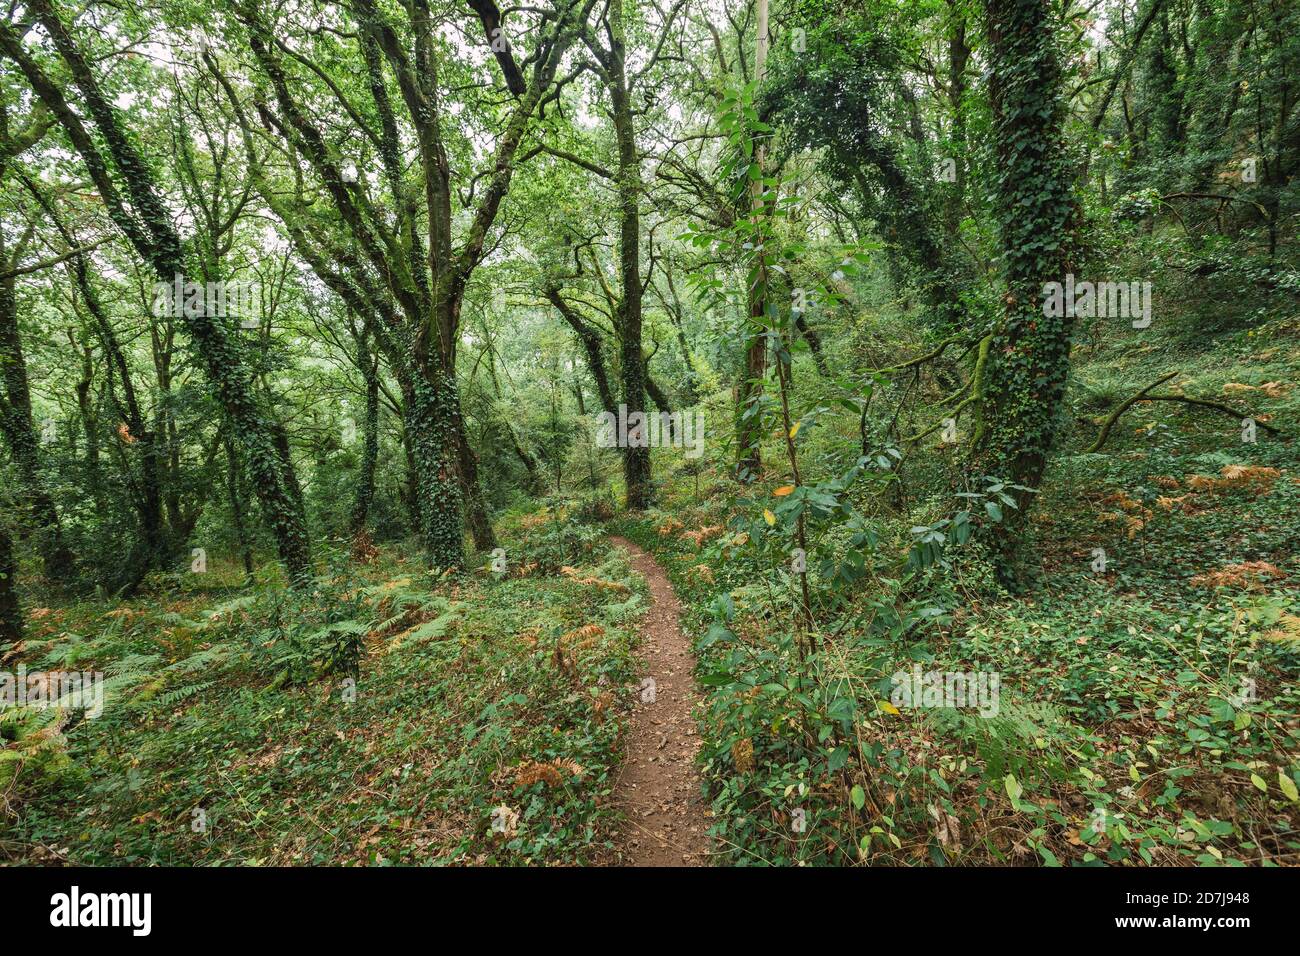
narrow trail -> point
(658, 787)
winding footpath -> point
(658, 787)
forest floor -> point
(485, 724)
(1149, 709)
(658, 786)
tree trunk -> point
(636, 459)
(431, 415)
(1029, 356)
(365, 490)
(11, 614)
(24, 445)
(749, 419)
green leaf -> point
(858, 796)
(838, 758)
(1288, 786)
(716, 679)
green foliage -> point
(836, 259)
(453, 699)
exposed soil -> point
(658, 787)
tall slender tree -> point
(1038, 217)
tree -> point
(138, 211)
(1038, 217)
(407, 280)
(16, 421)
(11, 612)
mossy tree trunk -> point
(365, 490)
(1029, 354)
(632, 369)
(11, 613)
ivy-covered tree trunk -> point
(1029, 355)
(430, 422)
(11, 615)
(20, 434)
(632, 372)
(365, 490)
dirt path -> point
(657, 786)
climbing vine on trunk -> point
(1029, 355)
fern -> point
(1025, 737)
(133, 665)
(174, 697)
(199, 659)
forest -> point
(650, 433)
